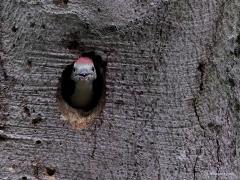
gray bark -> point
(172, 99)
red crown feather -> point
(84, 60)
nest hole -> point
(81, 117)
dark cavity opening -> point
(50, 171)
(38, 142)
(14, 29)
(67, 86)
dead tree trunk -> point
(172, 89)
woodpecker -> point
(83, 75)
(81, 84)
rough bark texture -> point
(173, 100)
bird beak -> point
(83, 74)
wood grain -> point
(172, 98)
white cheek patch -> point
(83, 69)
(83, 66)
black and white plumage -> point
(82, 83)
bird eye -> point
(93, 69)
(74, 69)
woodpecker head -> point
(83, 70)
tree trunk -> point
(172, 89)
